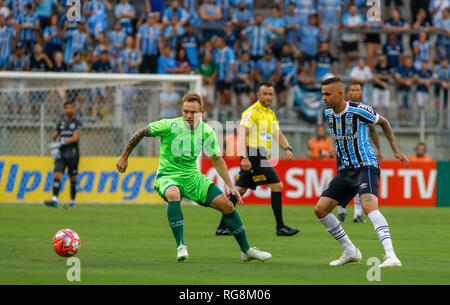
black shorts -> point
(70, 161)
(348, 47)
(349, 182)
(261, 173)
(222, 85)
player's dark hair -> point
(353, 83)
(266, 84)
(331, 80)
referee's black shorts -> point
(261, 173)
(349, 182)
(69, 161)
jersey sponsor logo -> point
(366, 108)
(345, 137)
(363, 185)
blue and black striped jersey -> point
(350, 132)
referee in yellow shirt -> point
(257, 128)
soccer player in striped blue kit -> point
(358, 170)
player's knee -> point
(320, 212)
(277, 187)
(173, 194)
(228, 207)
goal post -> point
(110, 105)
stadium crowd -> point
(233, 46)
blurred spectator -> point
(226, 7)
(268, 69)
(129, 58)
(148, 42)
(330, 16)
(258, 37)
(351, 20)
(166, 62)
(6, 40)
(125, 12)
(292, 21)
(277, 26)
(182, 61)
(29, 28)
(437, 7)
(405, 81)
(381, 96)
(424, 78)
(231, 37)
(4, 9)
(210, 17)
(319, 147)
(190, 42)
(309, 40)
(58, 62)
(421, 154)
(362, 74)
(174, 10)
(224, 57)
(168, 102)
(155, 6)
(442, 26)
(442, 74)
(323, 63)
(76, 41)
(116, 38)
(173, 32)
(422, 51)
(396, 24)
(52, 36)
(288, 64)
(422, 23)
(77, 65)
(393, 51)
(387, 6)
(241, 16)
(17, 7)
(44, 10)
(95, 13)
(372, 42)
(101, 46)
(191, 7)
(244, 70)
(103, 63)
(416, 6)
(306, 8)
(39, 61)
(207, 68)
(18, 61)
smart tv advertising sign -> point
(304, 180)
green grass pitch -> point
(133, 244)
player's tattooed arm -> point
(135, 139)
(389, 133)
(122, 162)
(376, 141)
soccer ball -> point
(66, 243)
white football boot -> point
(255, 253)
(347, 257)
(182, 253)
(390, 261)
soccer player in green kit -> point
(182, 140)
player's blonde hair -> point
(193, 97)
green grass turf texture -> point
(133, 244)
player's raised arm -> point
(387, 129)
(122, 162)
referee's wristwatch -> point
(290, 148)
(244, 157)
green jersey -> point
(180, 146)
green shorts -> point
(197, 187)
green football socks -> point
(234, 224)
(176, 220)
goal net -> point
(111, 107)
